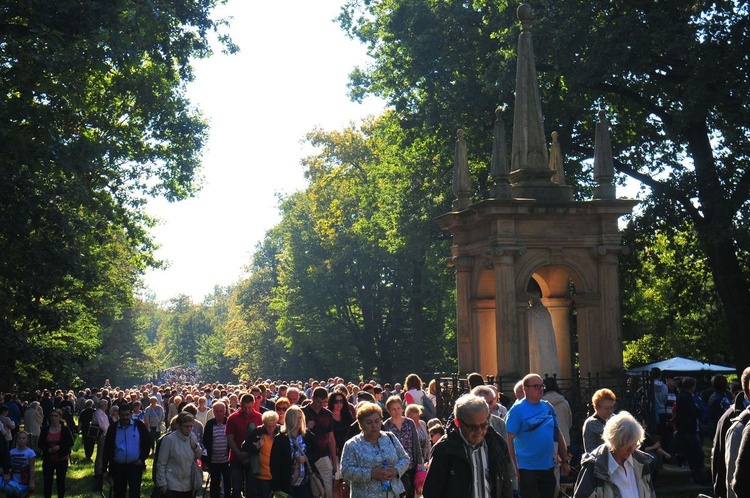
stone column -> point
(559, 310)
(509, 342)
(464, 326)
(587, 307)
(610, 338)
(485, 338)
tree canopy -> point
(672, 77)
(94, 120)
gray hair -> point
(483, 391)
(622, 431)
(470, 404)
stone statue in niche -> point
(542, 343)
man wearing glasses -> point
(533, 437)
(471, 460)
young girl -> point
(22, 458)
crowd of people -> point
(337, 439)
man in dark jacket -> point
(687, 430)
(459, 458)
(718, 452)
(126, 447)
(217, 451)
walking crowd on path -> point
(336, 439)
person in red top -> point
(238, 425)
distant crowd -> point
(333, 438)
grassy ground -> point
(80, 478)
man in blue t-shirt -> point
(533, 434)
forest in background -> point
(353, 281)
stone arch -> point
(553, 276)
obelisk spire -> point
(461, 175)
(499, 169)
(604, 169)
(529, 159)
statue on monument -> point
(542, 343)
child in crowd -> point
(22, 458)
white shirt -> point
(623, 476)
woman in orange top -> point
(258, 444)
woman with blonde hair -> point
(604, 405)
(292, 451)
(373, 461)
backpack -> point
(429, 411)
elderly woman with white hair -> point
(617, 468)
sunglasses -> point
(475, 427)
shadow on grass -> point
(79, 482)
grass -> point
(80, 478)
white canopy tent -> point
(682, 365)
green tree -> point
(252, 336)
(670, 305)
(94, 119)
(671, 76)
(183, 330)
(359, 260)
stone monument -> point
(530, 231)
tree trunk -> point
(734, 291)
(417, 315)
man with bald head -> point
(533, 432)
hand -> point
(565, 469)
(163, 490)
(379, 474)
(54, 449)
(261, 442)
(301, 458)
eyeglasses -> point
(338, 401)
(534, 386)
(474, 427)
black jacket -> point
(109, 443)
(687, 413)
(718, 467)
(450, 471)
(66, 442)
(208, 439)
(741, 482)
(281, 460)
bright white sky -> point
(290, 76)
